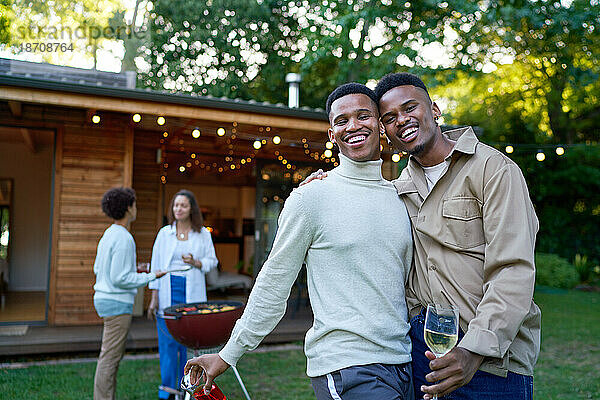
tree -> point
(82, 23)
(238, 48)
(566, 193)
(224, 48)
(556, 44)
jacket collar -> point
(466, 142)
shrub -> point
(555, 271)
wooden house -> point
(66, 139)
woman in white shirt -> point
(185, 248)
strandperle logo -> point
(90, 32)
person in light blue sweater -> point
(354, 234)
(116, 285)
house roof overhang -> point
(38, 91)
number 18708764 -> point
(45, 47)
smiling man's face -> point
(355, 127)
(408, 116)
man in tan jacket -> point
(474, 231)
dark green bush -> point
(566, 193)
(555, 271)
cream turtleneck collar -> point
(364, 170)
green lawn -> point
(569, 363)
(568, 367)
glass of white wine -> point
(441, 329)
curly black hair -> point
(116, 201)
(391, 81)
(346, 89)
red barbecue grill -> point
(205, 325)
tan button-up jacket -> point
(474, 237)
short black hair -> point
(116, 201)
(346, 89)
(391, 81)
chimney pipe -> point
(294, 89)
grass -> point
(567, 369)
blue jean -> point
(483, 386)
(173, 355)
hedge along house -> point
(68, 135)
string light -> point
(276, 139)
(182, 169)
(221, 132)
(165, 134)
(329, 145)
(395, 157)
(257, 144)
(96, 118)
(540, 156)
(160, 120)
(196, 133)
(327, 153)
(136, 117)
(560, 150)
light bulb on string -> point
(136, 117)
(96, 118)
(221, 132)
(196, 133)
(160, 120)
(560, 151)
(509, 149)
(257, 144)
(276, 139)
(327, 153)
(540, 156)
(395, 157)
(329, 145)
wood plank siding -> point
(93, 160)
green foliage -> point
(554, 271)
(587, 269)
(544, 88)
(556, 47)
(240, 48)
(80, 22)
(6, 17)
(566, 193)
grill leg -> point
(239, 378)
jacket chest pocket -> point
(463, 220)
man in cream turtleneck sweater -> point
(357, 247)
